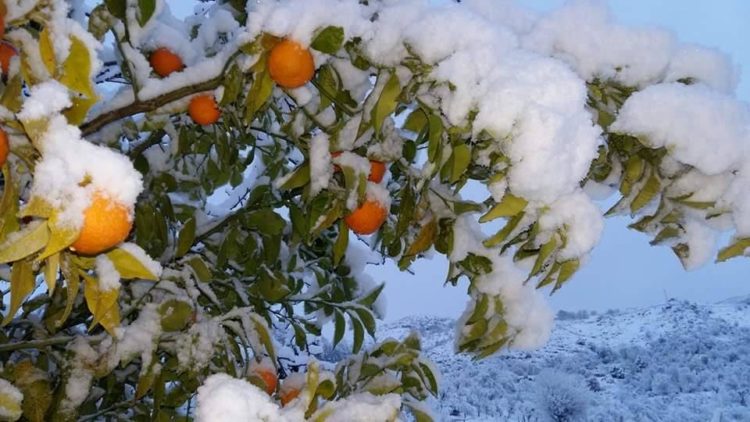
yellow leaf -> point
(51, 267)
(129, 266)
(26, 242)
(21, 285)
(73, 283)
(424, 240)
(37, 207)
(46, 52)
(8, 205)
(76, 70)
(61, 237)
(76, 113)
(102, 304)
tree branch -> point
(138, 106)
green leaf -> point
(21, 285)
(329, 40)
(647, 193)
(146, 380)
(544, 252)
(11, 98)
(420, 414)
(567, 269)
(233, 83)
(146, 9)
(365, 315)
(131, 267)
(370, 297)
(458, 162)
(51, 268)
(29, 240)
(260, 90)
(116, 8)
(668, 232)
(175, 314)
(264, 335)
(342, 242)
(435, 138)
(734, 250)
(76, 70)
(340, 326)
(416, 121)
(424, 239)
(509, 206)
(386, 103)
(200, 269)
(186, 238)
(300, 177)
(359, 334)
(73, 284)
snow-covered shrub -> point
(561, 396)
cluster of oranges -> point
(289, 389)
(7, 51)
(202, 108)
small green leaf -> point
(340, 326)
(8, 205)
(416, 121)
(60, 238)
(200, 269)
(509, 206)
(342, 242)
(359, 334)
(544, 252)
(116, 8)
(647, 193)
(300, 177)
(329, 40)
(186, 238)
(458, 162)
(435, 138)
(365, 315)
(175, 314)
(260, 90)
(264, 335)
(567, 269)
(146, 9)
(386, 103)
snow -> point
(579, 219)
(45, 99)
(223, 398)
(676, 361)
(109, 278)
(140, 337)
(320, 164)
(364, 407)
(700, 127)
(10, 401)
(80, 375)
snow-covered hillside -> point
(676, 362)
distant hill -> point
(676, 362)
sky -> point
(623, 270)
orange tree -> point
(240, 145)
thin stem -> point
(35, 344)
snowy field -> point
(676, 362)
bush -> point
(560, 397)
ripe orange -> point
(106, 223)
(204, 110)
(290, 64)
(288, 395)
(164, 61)
(377, 171)
(7, 51)
(377, 168)
(269, 378)
(4, 147)
(368, 218)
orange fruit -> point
(290, 64)
(289, 395)
(164, 61)
(4, 147)
(204, 110)
(377, 171)
(106, 223)
(7, 51)
(269, 378)
(368, 218)
(377, 168)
